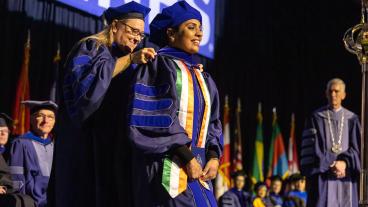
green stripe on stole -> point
(166, 174)
(179, 84)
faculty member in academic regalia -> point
(5, 129)
(275, 191)
(236, 196)
(6, 185)
(92, 152)
(31, 154)
(330, 154)
(174, 120)
(7, 196)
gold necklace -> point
(336, 147)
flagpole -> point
(356, 42)
(238, 111)
(238, 165)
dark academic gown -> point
(167, 93)
(10, 199)
(5, 178)
(235, 198)
(30, 166)
(316, 158)
(296, 198)
(2, 149)
(92, 152)
(276, 199)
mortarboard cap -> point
(35, 106)
(170, 17)
(131, 10)
(5, 120)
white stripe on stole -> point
(183, 110)
(174, 181)
(182, 116)
(206, 96)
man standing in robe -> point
(31, 154)
(330, 155)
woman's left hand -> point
(210, 170)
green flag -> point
(257, 169)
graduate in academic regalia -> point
(330, 154)
(275, 191)
(174, 119)
(261, 198)
(236, 196)
(92, 152)
(298, 196)
(31, 154)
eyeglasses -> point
(4, 131)
(44, 116)
(134, 31)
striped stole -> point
(174, 178)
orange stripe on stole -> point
(190, 111)
(206, 97)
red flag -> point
(20, 112)
(223, 178)
(292, 152)
(238, 155)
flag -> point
(257, 169)
(20, 112)
(292, 152)
(277, 162)
(223, 177)
(54, 88)
(238, 152)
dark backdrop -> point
(280, 53)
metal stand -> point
(363, 195)
(356, 42)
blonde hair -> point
(104, 37)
